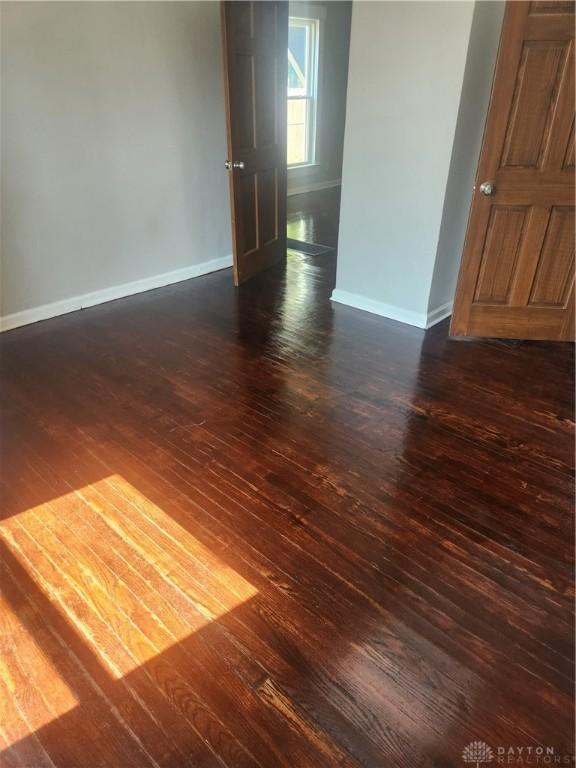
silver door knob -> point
(229, 165)
(487, 188)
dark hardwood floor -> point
(250, 527)
(313, 217)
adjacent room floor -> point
(313, 217)
(250, 527)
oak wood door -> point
(255, 73)
(517, 273)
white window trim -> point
(306, 12)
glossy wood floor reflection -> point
(253, 528)
(313, 217)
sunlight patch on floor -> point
(127, 579)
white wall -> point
(112, 146)
(478, 74)
(407, 62)
(333, 76)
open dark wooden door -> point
(517, 273)
(255, 73)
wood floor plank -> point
(108, 449)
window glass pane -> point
(297, 129)
(298, 42)
(296, 81)
(303, 36)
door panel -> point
(267, 212)
(555, 268)
(536, 93)
(246, 219)
(517, 273)
(500, 255)
(255, 70)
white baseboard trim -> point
(418, 319)
(440, 313)
(46, 311)
(313, 187)
(379, 308)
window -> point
(303, 43)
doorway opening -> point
(318, 48)
(284, 57)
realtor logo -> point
(477, 752)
